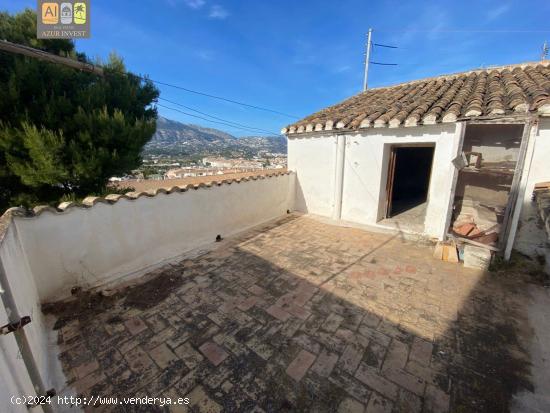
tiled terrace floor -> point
(305, 316)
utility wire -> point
(219, 98)
(209, 120)
(215, 117)
(40, 54)
(462, 31)
(384, 64)
(385, 45)
(75, 64)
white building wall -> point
(365, 172)
(313, 160)
(366, 169)
(89, 247)
(530, 238)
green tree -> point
(64, 131)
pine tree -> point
(63, 131)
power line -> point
(384, 64)
(42, 55)
(209, 120)
(75, 64)
(220, 98)
(463, 31)
(385, 45)
(370, 45)
(215, 117)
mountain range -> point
(176, 138)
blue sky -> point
(300, 56)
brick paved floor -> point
(304, 316)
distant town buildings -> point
(220, 166)
(157, 167)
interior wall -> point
(313, 159)
(89, 247)
(365, 173)
(497, 142)
(530, 237)
(483, 187)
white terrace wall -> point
(43, 256)
(90, 247)
(365, 172)
(15, 379)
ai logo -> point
(50, 13)
(63, 19)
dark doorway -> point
(408, 178)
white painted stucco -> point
(93, 246)
(14, 380)
(365, 172)
(25, 295)
(44, 256)
(366, 169)
(313, 159)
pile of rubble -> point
(478, 222)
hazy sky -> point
(300, 56)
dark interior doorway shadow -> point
(409, 178)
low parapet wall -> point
(46, 252)
(106, 239)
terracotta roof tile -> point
(489, 92)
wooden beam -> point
(475, 243)
(526, 160)
(459, 137)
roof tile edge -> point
(91, 201)
(299, 128)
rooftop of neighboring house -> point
(484, 93)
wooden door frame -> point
(389, 182)
(391, 171)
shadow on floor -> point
(304, 316)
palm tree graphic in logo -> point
(80, 13)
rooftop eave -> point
(429, 120)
